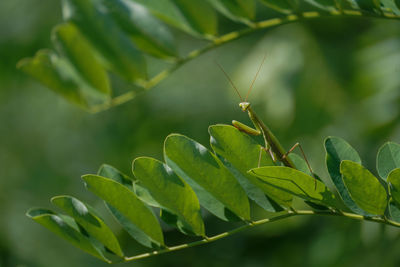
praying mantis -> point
(271, 143)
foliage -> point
(116, 38)
(221, 183)
(359, 91)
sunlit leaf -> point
(216, 188)
(128, 205)
(364, 188)
(87, 218)
(297, 183)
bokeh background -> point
(323, 77)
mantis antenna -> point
(229, 79)
(255, 77)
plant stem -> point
(282, 215)
(269, 23)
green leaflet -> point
(388, 159)
(112, 44)
(216, 188)
(200, 15)
(394, 180)
(60, 76)
(297, 183)
(169, 12)
(149, 34)
(302, 166)
(144, 195)
(364, 188)
(47, 68)
(141, 193)
(87, 218)
(300, 163)
(73, 45)
(109, 171)
(66, 228)
(171, 192)
(241, 153)
(238, 10)
(126, 203)
(284, 6)
(338, 150)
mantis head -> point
(244, 106)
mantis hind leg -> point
(267, 150)
(305, 159)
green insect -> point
(271, 144)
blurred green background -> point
(324, 77)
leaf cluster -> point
(103, 48)
(223, 181)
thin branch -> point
(282, 215)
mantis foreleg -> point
(247, 129)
